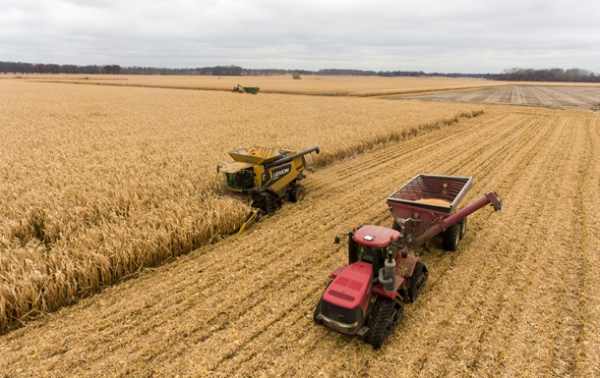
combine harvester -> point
(365, 297)
(241, 89)
(268, 175)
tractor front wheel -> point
(451, 237)
(319, 305)
(384, 318)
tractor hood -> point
(351, 287)
(235, 167)
(344, 303)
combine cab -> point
(268, 175)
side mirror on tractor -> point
(336, 240)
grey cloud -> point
(429, 35)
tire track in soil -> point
(568, 340)
(503, 314)
(352, 346)
(588, 364)
(481, 273)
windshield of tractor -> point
(374, 256)
(243, 179)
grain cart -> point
(427, 204)
(365, 297)
(268, 175)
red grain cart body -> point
(427, 204)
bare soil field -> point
(359, 86)
(558, 97)
(519, 298)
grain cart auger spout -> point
(267, 175)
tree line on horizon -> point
(231, 70)
(575, 75)
(513, 74)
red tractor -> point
(365, 297)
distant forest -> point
(554, 74)
(513, 74)
(114, 69)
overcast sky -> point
(429, 35)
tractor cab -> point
(371, 244)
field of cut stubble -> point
(519, 298)
(354, 86)
(551, 96)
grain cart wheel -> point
(463, 227)
(298, 193)
(417, 281)
(383, 320)
(451, 237)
